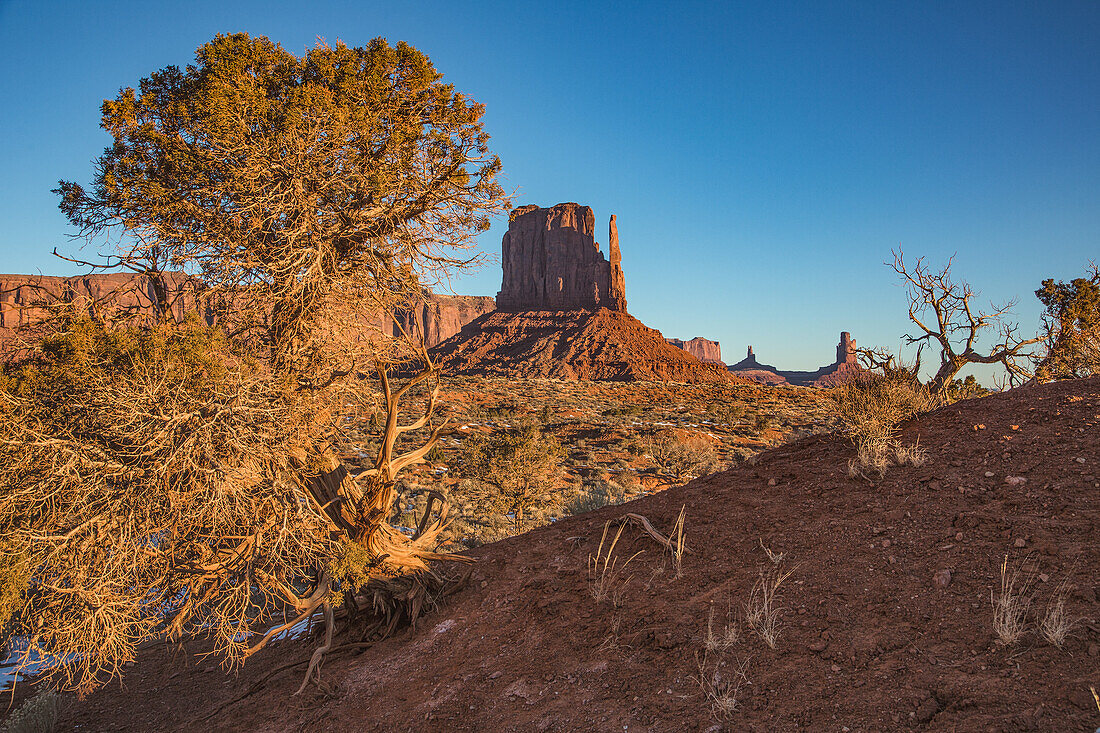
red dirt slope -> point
(867, 640)
(593, 345)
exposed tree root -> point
(650, 530)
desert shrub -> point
(516, 472)
(635, 446)
(682, 457)
(597, 494)
(476, 520)
(38, 714)
(964, 390)
(765, 422)
(870, 408)
(725, 412)
(624, 411)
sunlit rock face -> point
(552, 262)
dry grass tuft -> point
(676, 543)
(605, 573)
(762, 611)
(912, 455)
(721, 640)
(774, 557)
(1010, 606)
(722, 690)
(1056, 623)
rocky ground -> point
(885, 621)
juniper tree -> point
(185, 477)
(1071, 324)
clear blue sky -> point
(762, 160)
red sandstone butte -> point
(552, 262)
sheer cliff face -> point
(438, 317)
(552, 262)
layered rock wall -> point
(24, 300)
(552, 262)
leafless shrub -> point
(762, 611)
(944, 311)
(1011, 603)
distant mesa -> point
(24, 300)
(845, 366)
(701, 348)
(552, 262)
(439, 316)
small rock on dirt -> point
(1020, 542)
(1015, 480)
